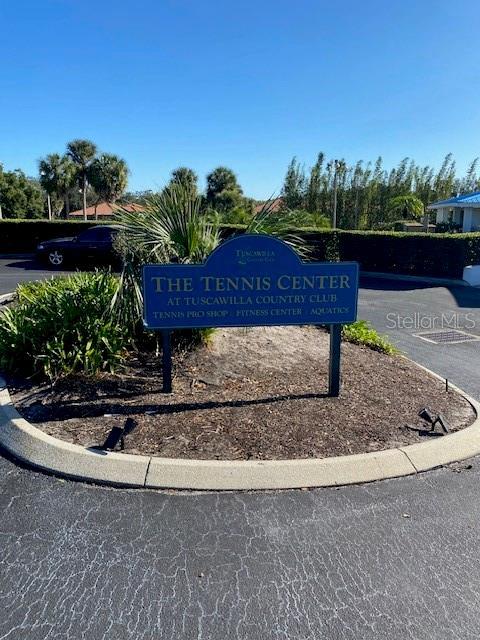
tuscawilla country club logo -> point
(249, 280)
(244, 256)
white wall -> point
(467, 219)
(442, 215)
(476, 220)
(470, 221)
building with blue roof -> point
(463, 210)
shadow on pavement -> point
(464, 296)
(33, 264)
(29, 264)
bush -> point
(23, 236)
(237, 215)
(227, 231)
(420, 254)
(324, 245)
(361, 332)
(62, 326)
(306, 219)
(448, 227)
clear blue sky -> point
(243, 83)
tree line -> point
(366, 195)
(20, 195)
(82, 177)
(222, 201)
(76, 179)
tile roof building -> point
(275, 205)
(105, 210)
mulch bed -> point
(252, 394)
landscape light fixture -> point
(113, 438)
(129, 426)
(117, 434)
(442, 422)
(426, 415)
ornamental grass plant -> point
(62, 326)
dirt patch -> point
(252, 394)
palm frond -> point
(171, 228)
(279, 223)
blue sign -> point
(250, 280)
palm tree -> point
(82, 152)
(57, 177)
(405, 207)
(49, 170)
(172, 228)
(108, 175)
(186, 176)
(221, 179)
(68, 176)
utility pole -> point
(335, 182)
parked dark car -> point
(90, 247)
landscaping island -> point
(82, 355)
(250, 394)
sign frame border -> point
(335, 328)
(202, 265)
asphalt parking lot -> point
(410, 312)
(14, 270)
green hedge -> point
(22, 236)
(440, 255)
(229, 230)
(433, 254)
(324, 244)
(420, 254)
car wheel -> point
(55, 258)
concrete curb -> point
(425, 279)
(5, 298)
(33, 446)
